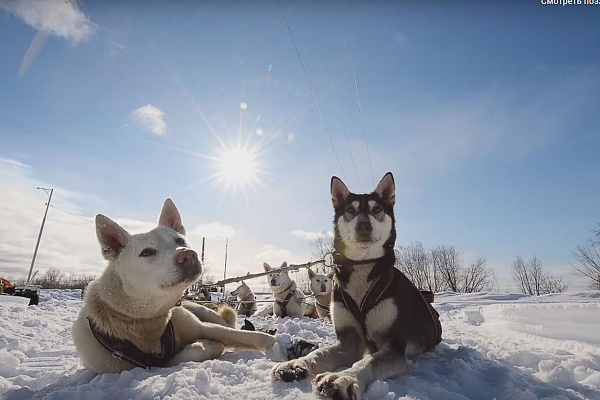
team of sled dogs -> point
(133, 314)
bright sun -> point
(237, 167)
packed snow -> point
(495, 346)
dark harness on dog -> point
(283, 303)
(378, 291)
(125, 350)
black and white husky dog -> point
(379, 316)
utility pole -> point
(225, 270)
(37, 245)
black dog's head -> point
(364, 223)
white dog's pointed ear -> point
(330, 275)
(267, 267)
(311, 274)
(169, 217)
(386, 189)
(111, 236)
(284, 264)
(339, 191)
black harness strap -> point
(283, 303)
(125, 350)
(376, 292)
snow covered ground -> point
(501, 346)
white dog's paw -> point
(338, 385)
(290, 371)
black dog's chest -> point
(360, 297)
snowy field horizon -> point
(495, 346)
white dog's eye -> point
(147, 252)
(181, 242)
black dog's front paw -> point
(290, 371)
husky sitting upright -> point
(133, 314)
(321, 286)
(379, 316)
(247, 301)
(289, 301)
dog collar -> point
(126, 350)
(340, 259)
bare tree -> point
(588, 262)
(416, 264)
(446, 264)
(476, 276)
(323, 248)
(531, 278)
(51, 279)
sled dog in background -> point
(289, 300)
(379, 316)
(133, 315)
(321, 286)
(246, 299)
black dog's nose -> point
(363, 227)
(188, 259)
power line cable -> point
(312, 92)
(337, 104)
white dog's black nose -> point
(188, 259)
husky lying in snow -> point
(247, 301)
(321, 286)
(289, 301)
(133, 315)
(379, 316)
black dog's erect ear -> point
(339, 191)
(386, 189)
(111, 236)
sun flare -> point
(237, 166)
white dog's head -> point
(320, 284)
(158, 262)
(278, 281)
(242, 291)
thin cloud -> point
(149, 118)
(57, 17)
(310, 236)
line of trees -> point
(54, 278)
(441, 269)
(531, 278)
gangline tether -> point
(291, 267)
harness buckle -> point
(117, 354)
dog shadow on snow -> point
(451, 372)
(448, 372)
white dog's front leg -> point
(204, 314)
(352, 382)
(200, 350)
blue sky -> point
(486, 113)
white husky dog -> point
(321, 287)
(289, 300)
(133, 315)
(247, 301)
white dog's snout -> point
(187, 258)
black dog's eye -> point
(180, 241)
(147, 252)
(350, 209)
(377, 209)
